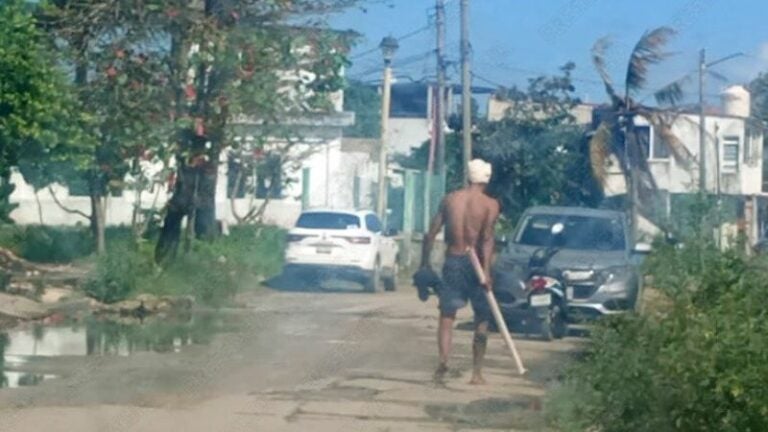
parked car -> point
(595, 257)
(348, 245)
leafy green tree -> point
(365, 102)
(205, 63)
(38, 113)
(539, 155)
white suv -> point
(346, 244)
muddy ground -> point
(337, 360)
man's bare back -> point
(469, 216)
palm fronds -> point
(600, 151)
(662, 124)
(671, 93)
(648, 51)
(599, 60)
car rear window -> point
(328, 220)
(580, 233)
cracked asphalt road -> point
(300, 361)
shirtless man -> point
(469, 216)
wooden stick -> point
(502, 325)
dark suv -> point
(596, 260)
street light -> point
(388, 47)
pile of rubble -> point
(27, 288)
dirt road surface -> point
(300, 361)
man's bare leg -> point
(444, 342)
(479, 344)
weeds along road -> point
(299, 361)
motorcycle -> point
(547, 299)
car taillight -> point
(293, 238)
(538, 284)
(357, 240)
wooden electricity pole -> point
(466, 88)
(440, 100)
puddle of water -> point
(21, 349)
(22, 379)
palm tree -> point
(617, 135)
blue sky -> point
(514, 40)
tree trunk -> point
(205, 211)
(178, 207)
(98, 221)
(39, 207)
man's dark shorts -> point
(460, 284)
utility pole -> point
(388, 47)
(702, 125)
(440, 101)
(466, 88)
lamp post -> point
(388, 47)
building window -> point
(730, 154)
(651, 143)
(261, 176)
(269, 177)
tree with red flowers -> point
(216, 60)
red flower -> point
(190, 92)
(199, 127)
(111, 72)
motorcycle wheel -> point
(547, 327)
(559, 324)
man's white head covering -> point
(479, 171)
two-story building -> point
(733, 163)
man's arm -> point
(488, 239)
(429, 238)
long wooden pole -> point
(496, 312)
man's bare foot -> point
(477, 379)
(440, 372)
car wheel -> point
(373, 284)
(390, 282)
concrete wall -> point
(331, 184)
(498, 109)
(406, 133)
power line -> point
(486, 80)
(401, 63)
(399, 39)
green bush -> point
(119, 273)
(697, 365)
(55, 244)
(212, 272)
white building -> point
(734, 160)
